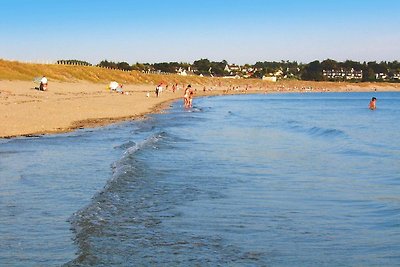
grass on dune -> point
(14, 70)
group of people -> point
(189, 93)
(187, 97)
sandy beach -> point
(66, 106)
(25, 110)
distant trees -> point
(114, 65)
(329, 64)
(315, 70)
(206, 67)
(124, 66)
(349, 64)
(202, 65)
(371, 71)
(288, 69)
(312, 71)
(142, 66)
(166, 67)
(377, 68)
(170, 67)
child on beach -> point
(43, 84)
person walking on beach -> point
(158, 89)
(372, 104)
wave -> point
(91, 219)
(131, 148)
(131, 206)
(125, 145)
(315, 131)
(325, 132)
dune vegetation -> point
(18, 71)
(14, 70)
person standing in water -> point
(186, 96)
(372, 104)
(191, 95)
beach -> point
(66, 106)
(162, 133)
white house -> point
(231, 68)
(381, 75)
(343, 74)
(182, 72)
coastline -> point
(66, 106)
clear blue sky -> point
(239, 31)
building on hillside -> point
(396, 76)
(181, 71)
(277, 73)
(391, 76)
(249, 72)
(185, 72)
(343, 74)
(381, 76)
(354, 74)
(232, 68)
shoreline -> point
(68, 106)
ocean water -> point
(248, 180)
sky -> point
(239, 31)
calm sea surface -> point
(252, 180)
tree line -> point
(312, 71)
(371, 71)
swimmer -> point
(372, 104)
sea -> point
(300, 179)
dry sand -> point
(68, 106)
